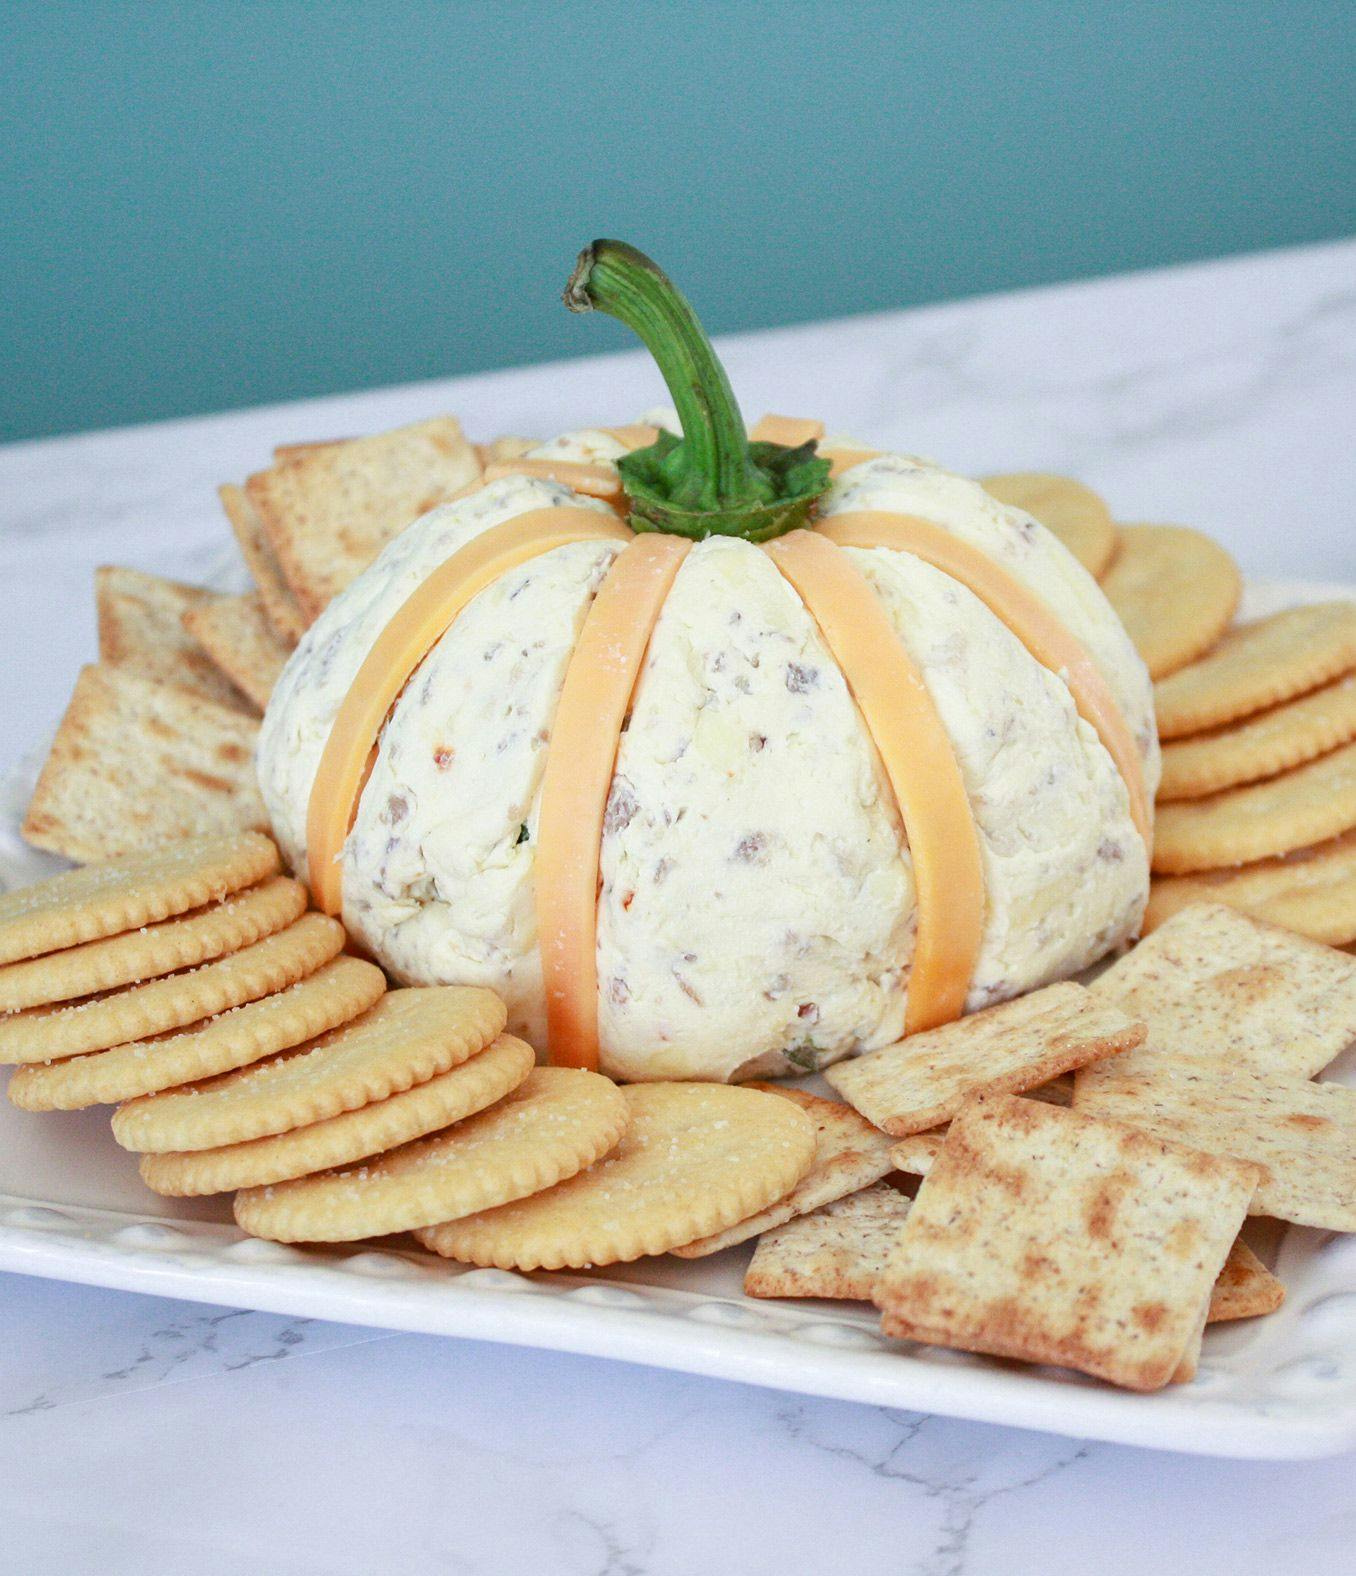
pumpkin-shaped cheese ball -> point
(711, 763)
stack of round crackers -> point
(1257, 807)
(247, 1054)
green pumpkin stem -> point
(712, 481)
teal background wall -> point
(216, 204)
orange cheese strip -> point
(841, 460)
(417, 626)
(920, 762)
(635, 436)
(1043, 635)
(594, 481)
(584, 739)
(789, 431)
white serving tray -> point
(73, 1208)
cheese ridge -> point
(1043, 635)
(411, 633)
(919, 760)
(585, 737)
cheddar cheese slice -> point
(594, 481)
(636, 435)
(920, 762)
(585, 735)
(417, 626)
(1043, 635)
(789, 431)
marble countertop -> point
(138, 1434)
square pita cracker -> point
(849, 1154)
(235, 633)
(914, 1155)
(1044, 1235)
(136, 763)
(1211, 981)
(329, 510)
(838, 1251)
(923, 1080)
(1302, 1135)
(141, 627)
(283, 609)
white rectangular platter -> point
(73, 1208)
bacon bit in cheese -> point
(789, 431)
(1043, 635)
(593, 481)
(920, 762)
(413, 631)
(584, 740)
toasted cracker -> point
(1259, 665)
(137, 763)
(141, 627)
(923, 1080)
(281, 606)
(556, 1123)
(44, 1034)
(332, 995)
(1301, 1134)
(1214, 982)
(1245, 1289)
(353, 1135)
(327, 513)
(180, 943)
(839, 1251)
(1312, 891)
(236, 634)
(850, 1154)
(128, 892)
(1305, 806)
(694, 1159)
(914, 1155)
(1074, 513)
(1262, 746)
(1043, 1235)
(1175, 591)
(408, 1037)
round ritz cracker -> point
(43, 1034)
(695, 1158)
(557, 1122)
(334, 994)
(405, 1039)
(149, 953)
(428, 1107)
(1074, 513)
(123, 894)
(1175, 591)
(1312, 892)
(1262, 746)
(1259, 665)
(1306, 806)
